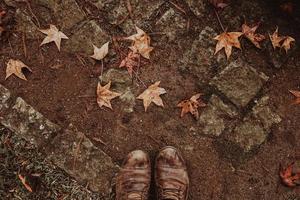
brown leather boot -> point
(133, 180)
(171, 175)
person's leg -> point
(171, 175)
(133, 180)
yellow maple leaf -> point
(100, 53)
(227, 41)
(191, 106)
(15, 67)
(152, 94)
(53, 35)
(141, 43)
(104, 95)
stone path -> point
(238, 112)
(69, 150)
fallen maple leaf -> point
(275, 39)
(53, 35)
(191, 105)
(104, 95)
(287, 43)
(227, 41)
(100, 53)
(218, 3)
(152, 94)
(15, 67)
(250, 34)
(288, 177)
(131, 61)
(141, 43)
(23, 181)
(297, 95)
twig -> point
(34, 16)
(178, 7)
(138, 78)
(24, 45)
(219, 20)
(77, 151)
(102, 66)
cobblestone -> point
(29, 124)
(200, 58)
(85, 36)
(243, 87)
(4, 99)
(171, 24)
(76, 154)
(216, 117)
(141, 9)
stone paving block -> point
(197, 6)
(76, 154)
(171, 24)
(26, 25)
(200, 58)
(255, 128)
(117, 12)
(249, 134)
(216, 117)
(84, 37)
(239, 82)
(4, 99)
(28, 123)
(264, 114)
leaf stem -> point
(219, 20)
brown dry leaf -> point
(23, 180)
(141, 43)
(287, 43)
(288, 177)
(104, 95)
(131, 61)
(297, 95)
(227, 41)
(152, 94)
(275, 39)
(53, 35)
(100, 53)
(15, 67)
(250, 34)
(191, 105)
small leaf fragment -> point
(15, 67)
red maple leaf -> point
(288, 177)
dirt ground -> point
(63, 89)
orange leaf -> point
(288, 177)
(250, 34)
(191, 105)
(227, 41)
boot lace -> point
(172, 194)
